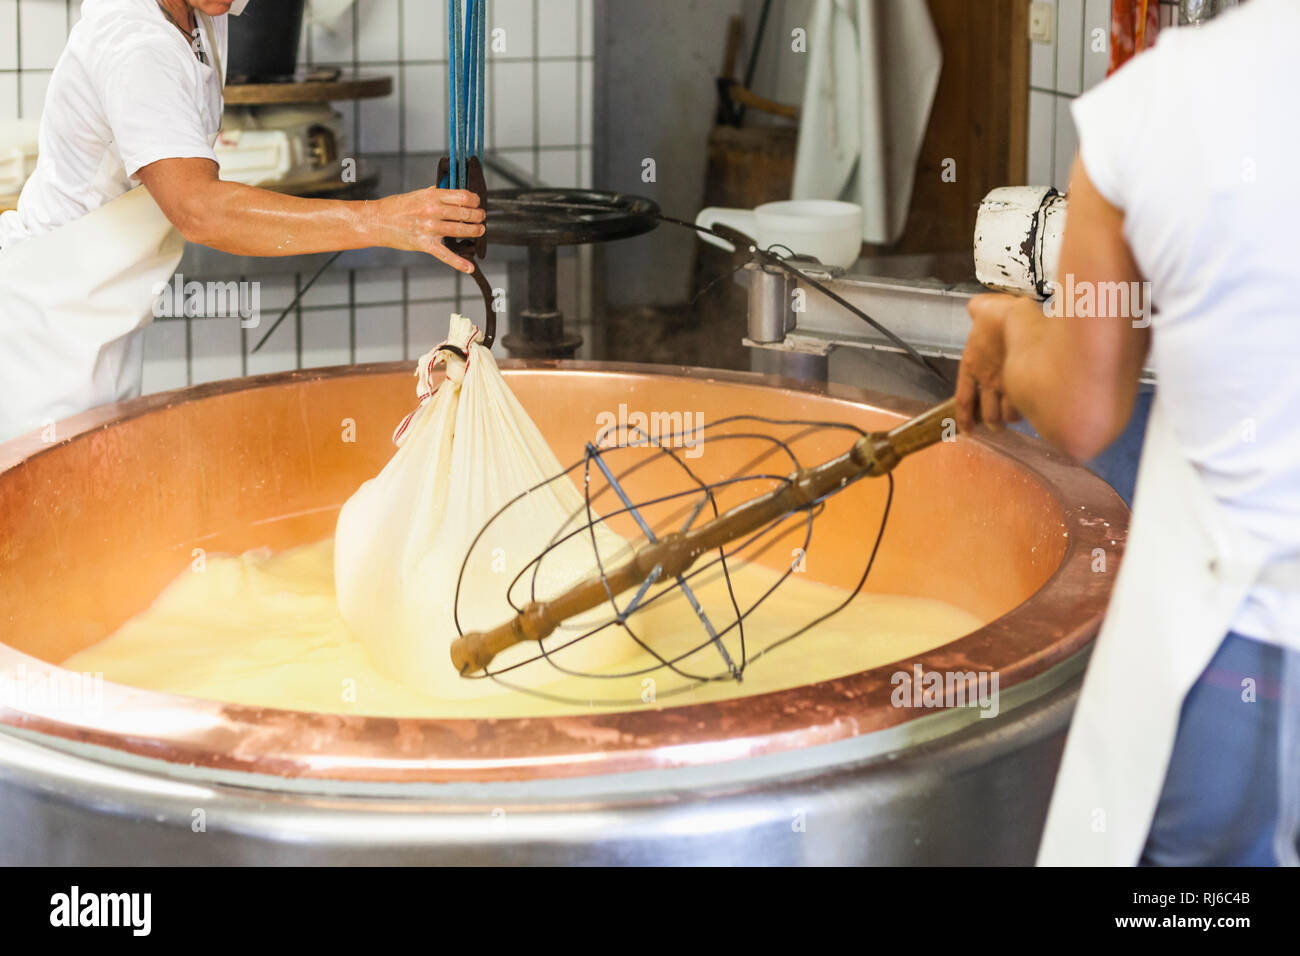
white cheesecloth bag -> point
(466, 451)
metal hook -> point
(490, 322)
(474, 249)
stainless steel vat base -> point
(977, 796)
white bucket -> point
(829, 230)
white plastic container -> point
(827, 229)
(18, 140)
(274, 145)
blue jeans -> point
(1221, 797)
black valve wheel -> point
(566, 217)
(543, 220)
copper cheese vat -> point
(99, 519)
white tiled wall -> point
(370, 315)
(539, 102)
(1075, 61)
(539, 95)
(539, 78)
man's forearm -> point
(243, 220)
(256, 222)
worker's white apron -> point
(73, 300)
(1185, 573)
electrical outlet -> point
(1040, 22)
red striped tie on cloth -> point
(1133, 28)
(424, 370)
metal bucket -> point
(105, 512)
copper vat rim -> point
(307, 745)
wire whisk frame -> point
(646, 487)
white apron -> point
(1185, 573)
(72, 304)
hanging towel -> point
(872, 76)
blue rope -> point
(470, 80)
(466, 79)
(452, 138)
(457, 70)
(480, 47)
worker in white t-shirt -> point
(1185, 746)
(136, 98)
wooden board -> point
(979, 119)
(319, 91)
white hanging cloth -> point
(467, 450)
(872, 76)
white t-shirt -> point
(1196, 141)
(127, 91)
